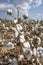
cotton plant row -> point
(21, 42)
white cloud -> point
(30, 1)
(24, 7)
(21, 1)
(3, 6)
(25, 4)
(37, 3)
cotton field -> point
(21, 42)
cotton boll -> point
(36, 25)
(7, 28)
(14, 61)
(33, 60)
(9, 11)
(31, 52)
(3, 25)
(24, 49)
(33, 28)
(26, 44)
(5, 57)
(16, 33)
(25, 16)
(34, 51)
(9, 44)
(41, 27)
(40, 64)
(13, 28)
(20, 57)
(33, 63)
(38, 54)
(10, 60)
(15, 20)
(40, 48)
(38, 60)
(28, 54)
(19, 27)
(28, 33)
(22, 38)
(22, 33)
(39, 40)
(39, 51)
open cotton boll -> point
(41, 27)
(13, 28)
(20, 57)
(39, 40)
(33, 60)
(24, 49)
(22, 32)
(22, 38)
(38, 54)
(40, 64)
(26, 44)
(38, 60)
(14, 61)
(3, 25)
(9, 11)
(28, 54)
(40, 51)
(10, 60)
(36, 25)
(33, 28)
(34, 51)
(7, 28)
(19, 27)
(16, 33)
(10, 44)
(40, 48)
(25, 16)
(15, 20)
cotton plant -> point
(24, 42)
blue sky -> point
(34, 8)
